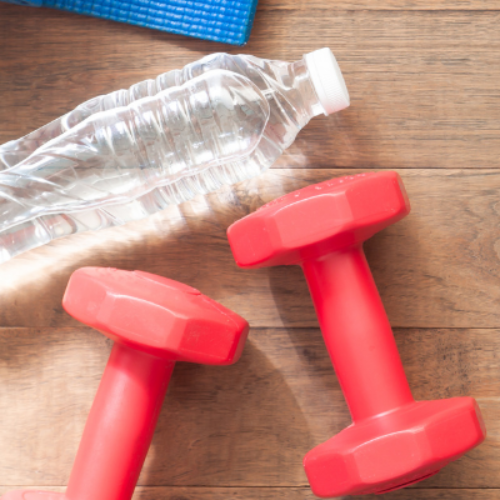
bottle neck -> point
(304, 87)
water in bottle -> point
(131, 153)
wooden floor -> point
(424, 79)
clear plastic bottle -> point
(131, 153)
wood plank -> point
(424, 85)
(439, 267)
(424, 88)
(245, 425)
(176, 493)
(334, 7)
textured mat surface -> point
(227, 21)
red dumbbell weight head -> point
(156, 315)
(154, 322)
(394, 441)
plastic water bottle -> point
(131, 153)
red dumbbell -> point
(394, 441)
(154, 322)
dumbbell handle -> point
(357, 333)
(120, 426)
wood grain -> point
(424, 85)
(186, 493)
(245, 425)
(380, 5)
(182, 493)
(423, 77)
(439, 267)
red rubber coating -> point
(120, 426)
(154, 322)
(394, 441)
(346, 298)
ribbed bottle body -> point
(131, 153)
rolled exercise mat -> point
(226, 21)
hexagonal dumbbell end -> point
(394, 441)
(318, 219)
(156, 315)
(395, 450)
(154, 322)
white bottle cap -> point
(327, 80)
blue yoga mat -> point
(227, 21)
